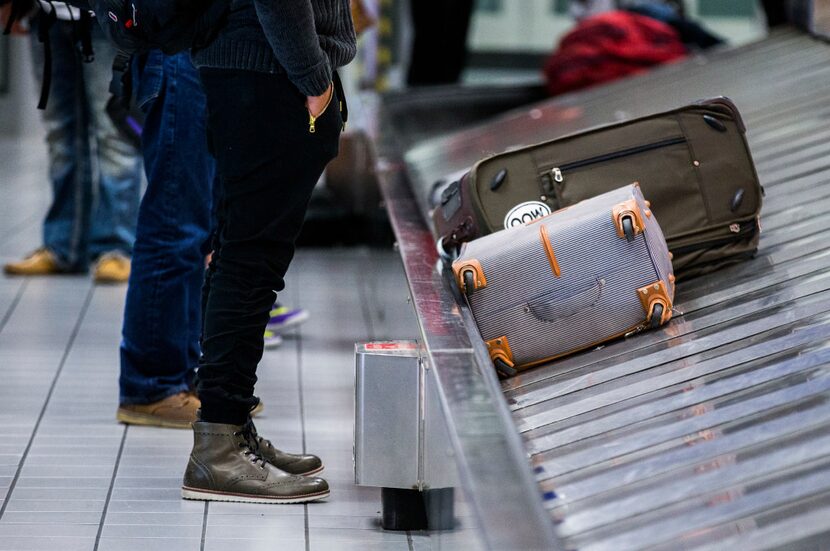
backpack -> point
(171, 26)
(609, 46)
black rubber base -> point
(413, 510)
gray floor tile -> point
(217, 523)
(63, 482)
(253, 509)
(165, 482)
(150, 506)
(60, 494)
(152, 494)
(29, 543)
(322, 545)
(268, 529)
(345, 535)
(151, 531)
(255, 545)
(159, 519)
(58, 530)
(51, 506)
(64, 517)
(149, 544)
(344, 522)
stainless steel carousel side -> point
(712, 433)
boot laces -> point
(250, 444)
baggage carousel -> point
(711, 433)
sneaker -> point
(283, 317)
(40, 262)
(112, 268)
(176, 412)
(225, 465)
(272, 339)
(293, 463)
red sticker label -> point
(390, 345)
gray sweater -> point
(306, 39)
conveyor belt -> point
(714, 432)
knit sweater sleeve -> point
(289, 28)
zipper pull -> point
(312, 120)
(557, 175)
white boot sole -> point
(205, 495)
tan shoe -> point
(112, 268)
(41, 262)
(175, 412)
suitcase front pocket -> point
(667, 171)
(553, 307)
(558, 173)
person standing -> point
(274, 121)
(162, 318)
(439, 45)
(95, 172)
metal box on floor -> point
(400, 435)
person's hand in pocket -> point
(317, 104)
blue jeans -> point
(95, 173)
(162, 318)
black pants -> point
(268, 162)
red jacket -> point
(609, 46)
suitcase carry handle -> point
(549, 308)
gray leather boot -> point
(225, 466)
(294, 463)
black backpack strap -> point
(121, 85)
(84, 27)
(45, 22)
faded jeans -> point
(95, 173)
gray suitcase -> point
(576, 278)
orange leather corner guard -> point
(459, 267)
(656, 293)
(499, 349)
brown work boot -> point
(176, 412)
(225, 466)
(293, 463)
(40, 262)
(112, 268)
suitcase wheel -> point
(469, 282)
(628, 228)
(657, 316)
(503, 369)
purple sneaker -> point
(272, 340)
(283, 318)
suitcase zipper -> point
(558, 172)
(744, 230)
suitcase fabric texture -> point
(569, 281)
(693, 164)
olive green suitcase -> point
(693, 163)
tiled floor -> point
(73, 479)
